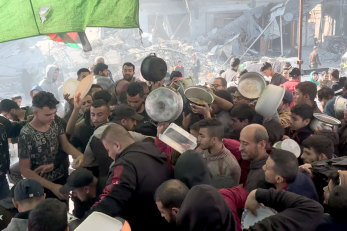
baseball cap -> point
(79, 178)
(288, 97)
(295, 72)
(28, 188)
(124, 112)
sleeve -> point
(163, 147)
(294, 211)
(237, 197)
(89, 156)
(24, 146)
(118, 192)
(61, 129)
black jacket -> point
(277, 79)
(137, 173)
(256, 176)
(102, 158)
(328, 223)
(303, 185)
(294, 212)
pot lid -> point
(326, 119)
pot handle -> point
(152, 55)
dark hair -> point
(179, 61)
(305, 111)
(122, 98)
(95, 86)
(286, 164)
(325, 93)
(171, 194)
(234, 62)
(223, 81)
(135, 89)
(224, 95)
(129, 65)
(82, 70)
(195, 126)
(221, 72)
(338, 203)
(242, 112)
(324, 73)
(6, 105)
(99, 103)
(175, 74)
(45, 99)
(232, 89)
(104, 95)
(50, 214)
(243, 71)
(315, 73)
(100, 67)
(274, 130)
(265, 66)
(308, 88)
(16, 97)
(334, 73)
(320, 144)
(331, 135)
(214, 127)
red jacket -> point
(291, 85)
(236, 198)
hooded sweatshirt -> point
(105, 82)
(205, 209)
(19, 222)
(312, 80)
(48, 83)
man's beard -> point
(14, 117)
(128, 77)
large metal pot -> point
(269, 101)
(251, 85)
(327, 121)
(182, 84)
(340, 107)
(164, 105)
(153, 68)
(197, 95)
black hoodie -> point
(205, 209)
(137, 173)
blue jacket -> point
(303, 185)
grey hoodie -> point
(48, 83)
(19, 222)
(105, 82)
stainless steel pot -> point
(198, 93)
(153, 68)
(340, 107)
(182, 84)
(327, 121)
(251, 85)
(164, 105)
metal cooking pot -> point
(251, 85)
(182, 84)
(197, 93)
(164, 105)
(153, 68)
(327, 121)
(340, 107)
(269, 101)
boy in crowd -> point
(17, 99)
(317, 147)
(276, 78)
(301, 117)
(324, 95)
(305, 94)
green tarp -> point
(21, 18)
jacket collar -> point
(23, 215)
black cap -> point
(28, 188)
(288, 97)
(124, 112)
(234, 62)
(79, 178)
(295, 72)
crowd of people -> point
(123, 169)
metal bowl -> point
(269, 101)
(321, 119)
(251, 85)
(196, 94)
(340, 107)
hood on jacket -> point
(147, 148)
(205, 209)
(49, 73)
(303, 185)
(311, 78)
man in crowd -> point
(196, 68)
(28, 193)
(48, 214)
(301, 117)
(82, 73)
(230, 75)
(95, 88)
(240, 116)
(85, 189)
(317, 147)
(290, 85)
(218, 112)
(180, 68)
(40, 157)
(101, 76)
(126, 116)
(253, 140)
(276, 78)
(138, 171)
(314, 58)
(100, 59)
(48, 84)
(284, 109)
(335, 78)
(219, 84)
(17, 99)
(324, 95)
(305, 94)
(239, 99)
(128, 71)
(219, 160)
(175, 76)
(12, 111)
(135, 99)
(282, 170)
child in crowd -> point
(301, 117)
(314, 77)
(325, 79)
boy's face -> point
(315, 77)
(297, 122)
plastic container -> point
(179, 139)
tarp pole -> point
(281, 35)
(258, 37)
(300, 33)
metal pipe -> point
(281, 35)
(300, 32)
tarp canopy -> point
(26, 18)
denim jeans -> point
(4, 187)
